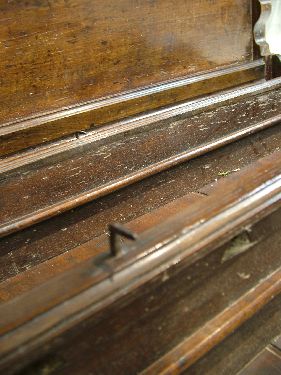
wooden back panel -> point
(64, 52)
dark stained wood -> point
(31, 278)
(269, 318)
(139, 123)
(22, 134)
(244, 344)
(175, 318)
(156, 115)
(108, 165)
(23, 250)
(239, 191)
(267, 362)
(258, 331)
(198, 344)
(256, 10)
(84, 55)
(59, 53)
(276, 67)
(272, 67)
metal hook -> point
(115, 231)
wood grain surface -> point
(268, 362)
(238, 201)
(101, 167)
(48, 126)
(65, 233)
(58, 53)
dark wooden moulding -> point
(186, 284)
(57, 242)
(162, 128)
(178, 291)
(71, 66)
(63, 176)
(75, 120)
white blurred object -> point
(268, 28)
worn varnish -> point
(35, 275)
(202, 341)
(58, 53)
(243, 345)
(73, 237)
(23, 250)
(232, 276)
(42, 128)
(162, 117)
(68, 66)
(48, 189)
